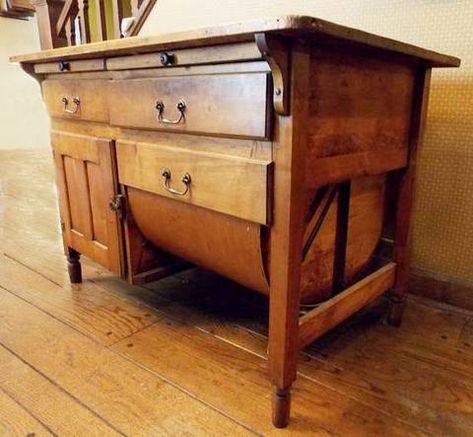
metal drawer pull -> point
(181, 107)
(166, 59)
(75, 100)
(64, 66)
(186, 180)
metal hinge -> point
(117, 204)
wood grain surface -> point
(311, 27)
(93, 99)
(231, 185)
(234, 105)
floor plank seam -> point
(23, 264)
(128, 299)
(62, 287)
(26, 266)
(381, 410)
(23, 407)
(63, 322)
(238, 346)
(185, 391)
(159, 316)
(61, 388)
(441, 306)
(301, 353)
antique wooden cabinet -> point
(278, 153)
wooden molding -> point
(142, 14)
(441, 289)
(47, 13)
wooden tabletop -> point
(289, 25)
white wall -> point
(23, 119)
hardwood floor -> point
(187, 355)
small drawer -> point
(76, 99)
(70, 66)
(194, 56)
(234, 105)
(232, 185)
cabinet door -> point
(87, 182)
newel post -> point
(47, 14)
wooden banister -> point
(117, 15)
(70, 7)
(84, 22)
(47, 15)
(70, 32)
(140, 10)
(57, 20)
(100, 22)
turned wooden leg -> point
(281, 406)
(287, 231)
(396, 310)
(398, 294)
(405, 181)
(73, 266)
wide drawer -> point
(77, 99)
(247, 51)
(235, 105)
(232, 185)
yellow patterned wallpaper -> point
(443, 229)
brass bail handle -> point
(75, 101)
(181, 107)
(186, 180)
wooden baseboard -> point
(441, 289)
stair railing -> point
(68, 22)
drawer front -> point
(76, 99)
(235, 105)
(195, 56)
(228, 184)
(70, 66)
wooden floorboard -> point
(188, 354)
(91, 310)
(15, 420)
(61, 413)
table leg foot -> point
(281, 407)
(396, 311)
(73, 266)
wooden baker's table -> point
(278, 153)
